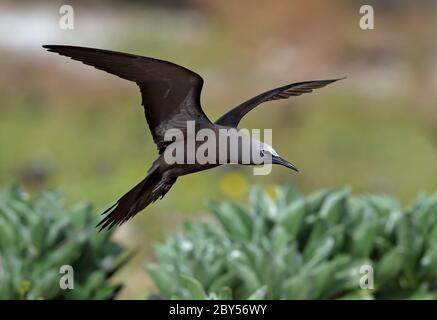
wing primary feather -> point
(163, 108)
(233, 117)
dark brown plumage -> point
(171, 97)
(170, 93)
(233, 117)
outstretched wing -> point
(170, 93)
(233, 117)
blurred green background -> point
(66, 125)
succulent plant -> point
(294, 247)
(38, 236)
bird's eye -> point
(262, 153)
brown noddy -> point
(171, 98)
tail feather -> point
(154, 186)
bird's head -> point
(268, 152)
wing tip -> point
(328, 81)
(58, 48)
(336, 79)
(54, 48)
(50, 46)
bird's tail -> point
(153, 186)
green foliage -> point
(38, 236)
(294, 247)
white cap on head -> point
(269, 148)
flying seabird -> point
(171, 98)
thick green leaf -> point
(259, 294)
(38, 236)
(194, 286)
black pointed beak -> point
(285, 163)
